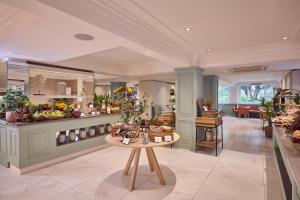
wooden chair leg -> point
(135, 166)
(156, 167)
(130, 159)
(149, 159)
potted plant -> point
(269, 113)
(15, 101)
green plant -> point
(268, 109)
(131, 106)
(15, 99)
(98, 99)
(262, 101)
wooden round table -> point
(135, 154)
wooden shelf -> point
(211, 144)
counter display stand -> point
(30, 146)
(201, 128)
(287, 158)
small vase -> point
(9, 116)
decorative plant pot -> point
(92, 132)
(268, 131)
(9, 116)
(72, 135)
(82, 133)
(101, 129)
(62, 137)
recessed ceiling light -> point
(285, 38)
(209, 49)
(188, 29)
(83, 36)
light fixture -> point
(285, 38)
(83, 36)
(188, 29)
(209, 49)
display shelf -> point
(78, 138)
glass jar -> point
(82, 133)
(62, 137)
(92, 131)
(108, 127)
(101, 129)
(72, 135)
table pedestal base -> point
(153, 164)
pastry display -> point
(296, 134)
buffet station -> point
(286, 141)
(50, 114)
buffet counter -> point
(287, 156)
(29, 146)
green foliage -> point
(262, 101)
(268, 109)
(99, 99)
(15, 99)
(131, 106)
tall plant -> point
(15, 99)
(268, 109)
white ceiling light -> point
(285, 38)
(188, 29)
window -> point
(223, 94)
(252, 93)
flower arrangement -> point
(131, 106)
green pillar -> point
(210, 89)
(189, 85)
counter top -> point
(290, 150)
(5, 123)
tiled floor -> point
(234, 175)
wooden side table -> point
(215, 142)
(135, 155)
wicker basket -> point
(152, 135)
(209, 120)
(210, 113)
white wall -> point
(156, 92)
(102, 89)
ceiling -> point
(142, 39)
